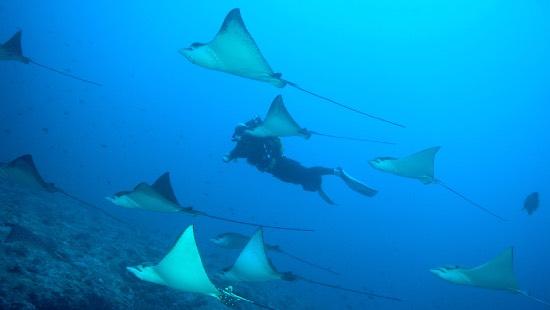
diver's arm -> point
(233, 155)
(247, 146)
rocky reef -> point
(56, 253)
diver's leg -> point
(321, 171)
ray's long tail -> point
(91, 206)
(305, 261)
(468, 200)
(525, 294)
(64, 73)
(225, 219)
(343, 105)
(349, 138)
(336, 287)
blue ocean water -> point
(471, 76)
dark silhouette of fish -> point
(531, 203)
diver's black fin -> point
(164, 187)
(356, 185)
(13, 45)
(342, 105)
(333, 286)
(325, 197)
(468, 200)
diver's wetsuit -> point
(267, 156)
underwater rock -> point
(23, 235)
(57, 254)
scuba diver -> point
(266, 154)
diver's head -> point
(240, 130)
(195, 53)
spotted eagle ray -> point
(236, 241)
(497, 274)
(160, 197)
(253, 265)
(279, 123)
(12, 50)
(420, 166)
(23, 171)
(182, 269)
(234, 51)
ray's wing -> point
(27, 173)
(13, 45)
(278, 122)
(252, 263)
(418, 165)
(496, 274)
(236, 50)
(164, 187)
(182, 267)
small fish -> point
(531, 203)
